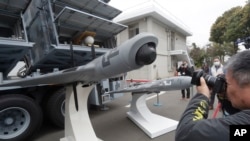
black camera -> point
(218, 84)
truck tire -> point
(55, 108)
(20, 117)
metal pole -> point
(158, 101)
(1, 77)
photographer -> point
(185, 70)
(215, 70)
(194, 125)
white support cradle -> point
(152, 124)
(78, 126)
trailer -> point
(44, 36)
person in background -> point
(205, 68)
(185, 70)
(215, 70)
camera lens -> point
(218, 84)
(210, 80)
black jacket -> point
(194, 125)
(185, 71)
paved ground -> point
(113, 125)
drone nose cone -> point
(146, 54)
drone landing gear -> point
(78, 126)
(152, 124)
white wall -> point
(122, 37)
(160, 69)
(143, 26)
(180, 42)
(161, 34)
(142, 73)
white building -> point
(171, 34)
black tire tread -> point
(53, 106)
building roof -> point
(153, 9)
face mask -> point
(216, 63)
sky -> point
(197, 15)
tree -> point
(233, 24)
(206, 55)
(198, 55)
(221, 50)
(224, 24)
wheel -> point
(55, 108)
(20, 117)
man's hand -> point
(203, 88)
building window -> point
(172, 40)
(133, 30)
(168, 40)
